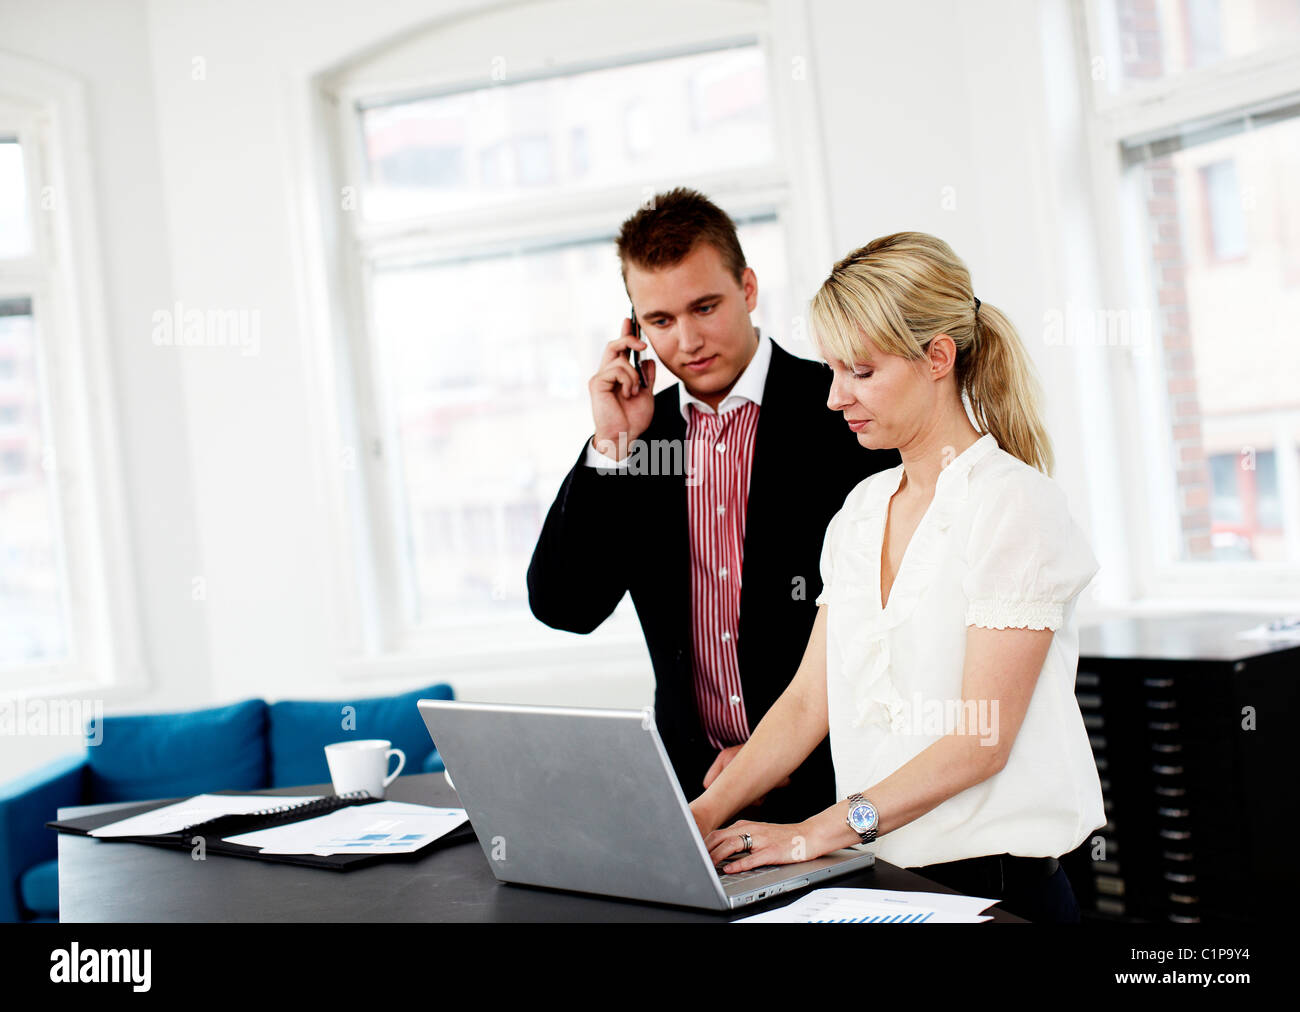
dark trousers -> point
(1035, 888)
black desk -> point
(117, 882)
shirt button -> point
(723, 572)
(735, 700)
(726, 637)
(721, 509)
(722, 447)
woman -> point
(943, 656)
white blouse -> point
(997, 547)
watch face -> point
(863, 817)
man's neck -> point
(716, 397)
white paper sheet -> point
(1286, 630)
(386, 827)
(194, 810)
(875, 906)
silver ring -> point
(747, 841)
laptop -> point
(586, 800)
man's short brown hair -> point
(663, 233)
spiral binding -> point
(328, 801)
(280, 814)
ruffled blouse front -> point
(996, 547)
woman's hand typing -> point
(770, 843)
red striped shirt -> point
(721, 458)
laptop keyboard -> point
(740, 876)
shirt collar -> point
(748, 387)
(955, 478)
(960, 466)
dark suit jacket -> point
(608, 533)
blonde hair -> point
(897, 293)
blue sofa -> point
(246, 746)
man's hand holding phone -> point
(619, 403)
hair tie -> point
(977, 306)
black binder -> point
(213, 830)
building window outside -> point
(1219, 225)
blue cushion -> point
(26, 804)
(167, 755)
(433, 762)
(39, 888)
(300, 730)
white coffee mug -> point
(363, 765)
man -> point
(758, 466)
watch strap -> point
(867, 835)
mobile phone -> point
(633, 355)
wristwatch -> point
(863, 818)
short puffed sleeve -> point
(828, 553)
(1028, 558)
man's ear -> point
(749, 284)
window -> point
(1225, 217)
(66, 592)
(1202, 158)
(656, 118)
(486, 282)
(1159, 41)
(1246, 514)
(15, 226)
(33, 583)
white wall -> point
(202, 186)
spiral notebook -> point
(215, 829)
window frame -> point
(370, 637)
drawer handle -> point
(1109, 885)
(1167, 771)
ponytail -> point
(1003, 392)
(903, 289)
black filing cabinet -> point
(1190, 724)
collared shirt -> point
(748, 386)
(996, 547)
(717, 497)
(721, 458)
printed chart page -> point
(386, 827)
(876, 906)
